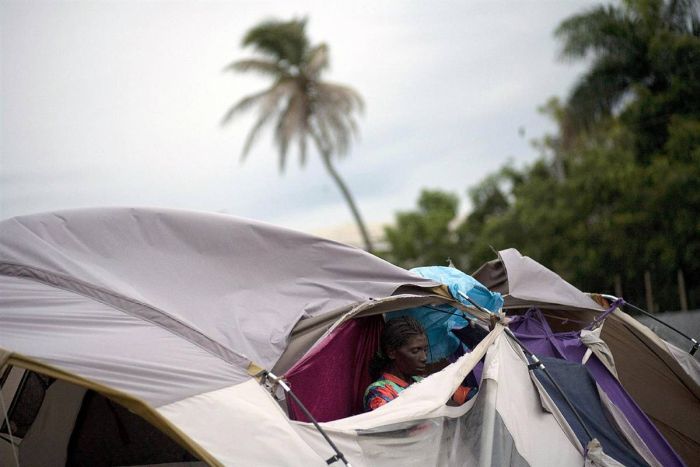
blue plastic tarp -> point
(439, 320)
(457, 281)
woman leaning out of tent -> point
(400, 362)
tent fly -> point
(124, 328)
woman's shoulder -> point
(392, 381)
(379, 383)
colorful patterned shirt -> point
(385, 389)
(388, 387)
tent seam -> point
(45, 277)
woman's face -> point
(410, 358)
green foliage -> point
(646, 52)
(424, 236)
(283, 41)
(616, 191)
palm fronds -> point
(620, 41)
(299, 103)
(284, 41)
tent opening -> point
(57, 423)
(332, 377)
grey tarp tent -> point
(165, 313)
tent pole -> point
(695, 342)
(490, 389)
(277, 380)
(537, 364)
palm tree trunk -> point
(326, 158)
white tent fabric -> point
(639, 354)
(163, 306)
(504, 425)
(688, 362)
(213, 291)
(241, 425)
(530, 282)
(597, 346)
(166, 309)
(101, 343)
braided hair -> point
(395, 334)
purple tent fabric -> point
(534, 332)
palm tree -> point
(640, 47)
(299, 104)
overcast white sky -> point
(119, 103)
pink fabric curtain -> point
(332, 379)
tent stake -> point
(277, 380)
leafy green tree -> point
(299, 104)
(424, 237)
(490, 201)
(611, 217)
(645, 66)
(615, 192)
